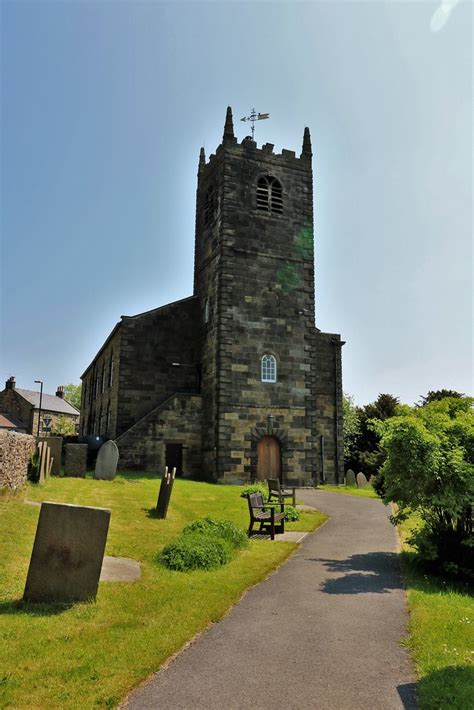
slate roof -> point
(7, 421)
(50, 402)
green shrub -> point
(34, 468)
(291, 514)
(255, 488)
(195, 551)
(223, 529)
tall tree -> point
(351, 424)
(437, 395)
(366, 454)
(72, 393)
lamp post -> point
(39, 382)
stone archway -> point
(268, 458)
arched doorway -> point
(268, 458)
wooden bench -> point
(276, 491)
(266, 515)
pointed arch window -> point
(268, 368)
(269, 195)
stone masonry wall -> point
(100, 389)
(177, 421)
(159, 356)
(329, 413)
(15, 452)
(258, 270)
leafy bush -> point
(430, 468)
(223, 529)
(378, 484)
(34, 467)
(195, 551)
(291, 514)
(204, 544)
(255, 488)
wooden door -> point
(174, 458)
(268, 458)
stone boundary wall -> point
(15, 452)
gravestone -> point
(67, 553)
(55, 444)
(361, 480)
(350, 478)
(107, 459)
(165, 493)
(75, 463)
(45, 461)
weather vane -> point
(254, 116)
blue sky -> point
(106, 104)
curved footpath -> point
(322, 632)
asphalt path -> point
(322, 632)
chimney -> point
(10, 384)
(60, 392)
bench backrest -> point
(273, 485)
(255, 500)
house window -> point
(269, 368)
(103, 378)
(206, 310)
(269, 195)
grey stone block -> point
(67, 553)
(76, 460)
(350, 478)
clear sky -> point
(106, 104)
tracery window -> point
(268, 368)
(269, 195)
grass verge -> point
(441, 634)
(367, 492)
(89, 655)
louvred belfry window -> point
(209, 206)
(269, 195)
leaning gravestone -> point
(361, 480)
(67, 553)
(107, 459)
(55, 444)
(350, 478)
(45, 463)
(76, 460)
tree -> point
(64, 427)
(351, 424)
(429, 468)
(365, 452)
(437, 395)
(72, 394)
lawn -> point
(367, 492)
(441, 635)
(90, 654)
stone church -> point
(234, 383)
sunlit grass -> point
(90, 654)
(367, 492)
(441, 634)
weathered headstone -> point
(361, 480)
(44, 455)
(67, 553)
(55, 444)
(165, 493)
(75, 463)
(107, 459)
(350, 478)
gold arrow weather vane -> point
(254, 116)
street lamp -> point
(39, 382)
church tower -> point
(270, 380)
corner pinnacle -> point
(229, 126)
(307, 150)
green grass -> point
(367, 492)
(89, 655)
(441, 635)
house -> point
(22, 409)
(235, 382)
